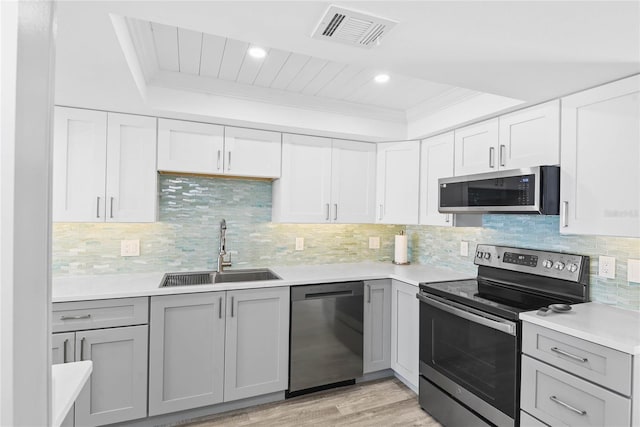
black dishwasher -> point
(326, 336)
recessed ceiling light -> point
(381, 78)
(257, 52)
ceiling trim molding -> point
(199, 84)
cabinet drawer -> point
(79, 315)
(558, 398)
(602, 365)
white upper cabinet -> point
(190, 147)
(398, 179)
(325, 181)
(600, 173)
(525, 138)
(79, 159)
(203, 148)
(475, 148)
(436, 161)
(353, 180)
(132, 192)
(303, 192)
(103, 167)
(250, 152)
(530, 137)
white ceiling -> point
(178, 50)
(438, 53)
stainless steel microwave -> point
(529, 190)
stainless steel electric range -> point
(470, 335)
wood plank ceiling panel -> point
(355, 85)
(212, 50)
(328, 73)
(166, 41)
(189, 50)
(273, 63)
(291, 68)
(391, 94)
(336, 87)
(250, 68)
(234, 54)
(308, 73)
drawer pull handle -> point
(566, 405)
(572, 356)
(64, 351)
(82, 348)
(82, 316)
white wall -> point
(27, 64)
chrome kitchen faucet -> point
(223, 247)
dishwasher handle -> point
(314, 295)
(327, 290)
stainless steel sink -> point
(249, 275)
(213, 277)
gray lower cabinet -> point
(211, 347)
(405, 322)
(117, 389)
(377, 325)
(100, 331)
(186, 351)
(63, 351)
(257, 342)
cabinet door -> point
(475, 148)
(405, 332)
(79, 158)
(117, 389)
(436, 161)
(530, 137)
(63, 351)
(398, 181)
(600, 177)
(190, 147)
(353, 180)
(186, 358)
(257, 342)
(251, 152)
(303, 192)
(131, 169)
(377, 325)
(63, 348)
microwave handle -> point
(503, 326)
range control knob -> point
(487, 255)
(572, 268)
(480, 254)
(547, 263)
(559, 265)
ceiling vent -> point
(351, 27)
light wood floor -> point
(385, 402)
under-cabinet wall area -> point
(186, 234)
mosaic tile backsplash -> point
(441, 246)
(186, 238)
(186, 235)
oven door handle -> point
(500, 325)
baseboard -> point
(413, 387)
(192, 414)
(372, 376)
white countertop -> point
(67, 380)
(78, 288)
(602, 324)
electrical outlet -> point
(464, 248)
(130, 247)
(633, 270)
(299, 243)
(374, 242)
(607, 267)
